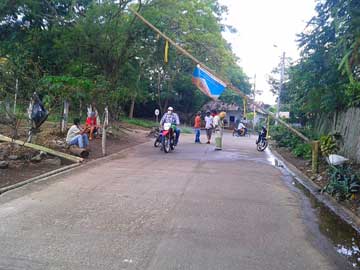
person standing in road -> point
(208, 126)
(219, 127)
(197, 127)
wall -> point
(346, 126)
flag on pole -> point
(208, 83)
(166, 59)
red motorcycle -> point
(168, 137)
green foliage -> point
(326, 77)
(140, 122)
(97, 51)
(328, 145)
(285, 138)
(302, 150)
(186, 130)
(343, 182)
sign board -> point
(284, 115)
(157, 112)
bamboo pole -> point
(228, 84)
(315, 156)
(42, 148)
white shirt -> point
(208, 122)
(241, 126)
(73, 131)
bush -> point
(140, 122)
(302, 150)
(285, 138)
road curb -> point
(339, 210)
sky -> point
(260, 25)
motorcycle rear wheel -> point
(157, 143)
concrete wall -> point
(346, 125)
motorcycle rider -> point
(241, 129)
(173, 118)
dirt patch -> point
(322, 178)
(23, 163)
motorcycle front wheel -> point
(261, 146)
(166, 144)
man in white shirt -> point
(77, 136)
(209, 125)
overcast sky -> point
(260, 25)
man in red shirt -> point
(91, 125)
(197, 127)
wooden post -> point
(315, 156)
(244, 103)
(16, 93)
(105, 125)
(30, 121)
(7, 109)
(65, 116)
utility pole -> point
(282, 71)
(254, 102)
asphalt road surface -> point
(195, 208)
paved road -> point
(141, 209)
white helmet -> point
(170, 108)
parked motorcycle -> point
(261, 142)
(168, 137)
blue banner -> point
(208, 83)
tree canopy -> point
(91, 51)
(327, 76)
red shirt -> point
(91, 121)
(197, 122)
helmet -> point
(170, 108)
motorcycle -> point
(158, 137)
(261, 142)
(168, 137)
(240, 132)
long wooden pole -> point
(228, 84)
(42, 148)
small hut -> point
(233, 111)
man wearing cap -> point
(173, 118)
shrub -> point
(285, 138)
(302, 150)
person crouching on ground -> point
(197, 127)
(91, 125)
(77, 136)
(219, 127)
(208, 125)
